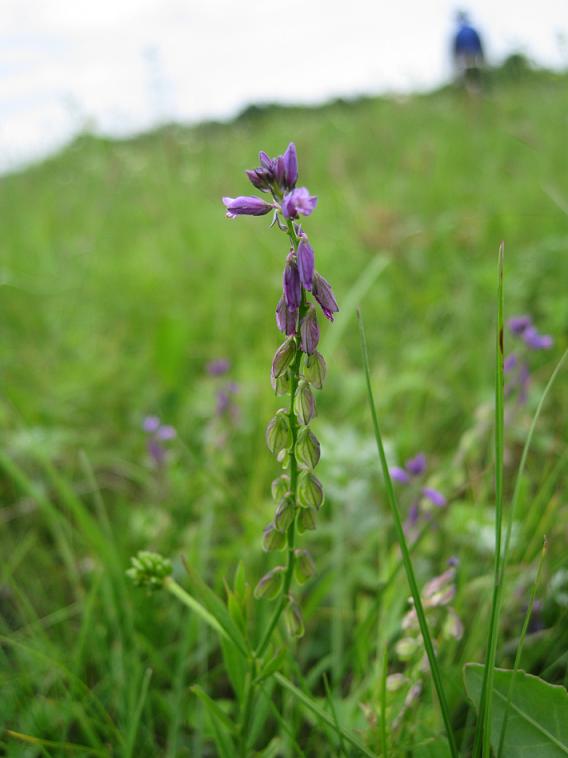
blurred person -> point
(468, 54)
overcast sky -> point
(123, 65)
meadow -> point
(121, 280)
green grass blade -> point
(406, 559)
(137, 715)
(519, 652)
(483, 733)
(315, 708)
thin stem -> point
(484, 732)
(406, 559)
(291, 535)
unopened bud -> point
(304, 567)
(149, 570)
(304, 403)
(307, 448)
(315, 369)
(272, 539)
(281, 385)
(270, 584)
(310, 491)
(294, 620)
(309, 331)
(283, 357)
(278, 434)
(306, 520)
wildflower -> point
(158, 433)
(297, 369)
(297, 202)
(246, 206)
(409, 475)
(516, 364)
(218, 367)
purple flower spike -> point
(536, 341)
(246, 206)
(518, 324)
(291, 285)
(435, 497)
(417, 465)
(286, 319)
(399, 475)
(218, 367)
(290, 159)
(298, 201)
(324, 295)
(305, 256)
(309, 332)
(151, 424)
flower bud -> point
(305, 256)
(293, 619)
(285, 513)
(309, 331)
(306, 520)
(283, 357)
(278, 434)
(246, 206)
(304, 566)
(280, 487)
(281, 385)
(310, 491)
(307, 448)
(290, 161)
(407, 647)
(324, 295)
(304, 403)
(270, 584)
(315, 369)
(291, 285)
(272, 539)
(260, 178)
(149, 570)
(286, 319)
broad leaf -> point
(537, 724)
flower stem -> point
(291, 536)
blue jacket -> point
(467, 41)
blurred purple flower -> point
(151, 424)
(417, 465)
(298, 201)
(435, 497)
(518, 324)
(399, 475)
(218, 366)
(510, 362)
(158, 433)
(536, 341)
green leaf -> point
(538, 716)
(221, 724)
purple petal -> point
(399, 475)
(151, 424)
(291, 285)
(298, 201)
(166, 433)
(309, 332)
(518, 324)
(536, 341)
(417, 465)
(435, 497)
(246, 206)
(324, 295)
(305, 256)
(286, 320)
(510, 362)
(290, 166)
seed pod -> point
(310, 491)
(272, 539)
(281, 386)
(304, 566)
(285, 513)
(283, 357)
(315, 370)
(280, 487)
(270, 584)
(306, 520)
(304, 403)
(278, 434)
(307, 448)
(294, 620)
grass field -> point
(120, 279)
